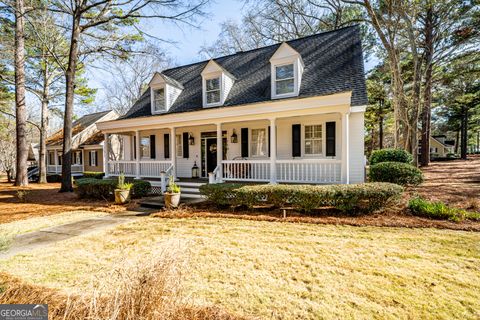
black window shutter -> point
(330, 131)
(90, 158)
(152, 147)
(268, 135)
(96, 158)
(296, 140)
(166, 146)
(81, 157)
(185, 145)
(244, 137)
(135, 148)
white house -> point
(292, 112)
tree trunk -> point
(9, 175)
(457, 141)
(464, 131)
(380, 126)
(20, 109)
(427, 94)
(69, 95)
(42, 166)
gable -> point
(333, 63)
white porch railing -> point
(153, 168)
(309, 171)
(52, 168)
(115, 168)
(246, 170)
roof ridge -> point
(260, 48)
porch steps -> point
(190, 190)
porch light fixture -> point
(234, 138)
(191, 139)
(195, 170)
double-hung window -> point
(258, 143)
(145, 147)
(284, 79)
(313, 139)
(212, 90)
(78, 157)
(93, 158)
(159, 100)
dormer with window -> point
(216, 84)
(163, 92)
(286, 67)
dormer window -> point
(159, 100)
(286, 72)
(284, 79)
(212, 90)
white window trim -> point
(210, 76)
(250, 136)
(152, 98)
(149, 147)
(179, 145)
(297, 71)
(93, 158)
(78, 157)
(323, 142)
(280, 95)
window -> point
(313, 139)
(178, 145)
(212, 90)
(159, 99)
(51, 158)
(78, 157)
(284, 79)
(93, 158)
(259, 143)
(60, 158)
(145, 147)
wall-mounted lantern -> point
(191, 139)
(234, 138)
(195, 170)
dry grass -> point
(45, 200)
(150, 289)
(286, 270)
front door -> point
(211, 154)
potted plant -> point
(172, 195)
(122, 192)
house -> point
(87, 145)
(292, 112)
(440, 147)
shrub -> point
(54, 178)
(366, 197)
(439, 210)
(94, 175)
(395, 172)
(141, 188)
(95, 188)
(390, 155)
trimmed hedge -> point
(439, 210)
(93, 174)
(366, 197)
(396, 172)
(390, 155)
(103, 189)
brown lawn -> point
(44, 200)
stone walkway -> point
(47, 236)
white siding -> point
(227, 85)
(357, 147)
(172, 95)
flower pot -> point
(171, 199)
(122, 196)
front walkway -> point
(44, 237)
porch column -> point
(219, 152)
(345, 148)
(137, 153)
(105, 154)
(55, 152)
(273, 152)
(173, 152)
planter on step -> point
(122, 196)
(172, 200)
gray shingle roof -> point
(333, 64)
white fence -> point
(52, 168)
(246, 170)
(153, 168)
(128, 168)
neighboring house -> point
(87, 145)
(440, 147)
(292, 112)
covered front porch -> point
(293, 149)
